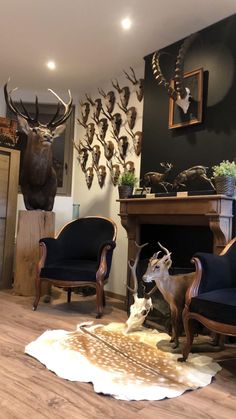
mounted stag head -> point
(109, 99)
(38, 178)
(141, 307)
(124, 93)
(179, 93)
(138, 84)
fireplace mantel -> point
(214, 211)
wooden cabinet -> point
(9, 174)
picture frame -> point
(177, 118)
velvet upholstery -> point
(211, 300)
(80, 255)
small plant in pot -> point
(224, 175)
(126, 183)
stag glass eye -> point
(144, 312)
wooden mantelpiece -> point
(215, 211)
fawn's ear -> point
(168, 263)
(24, 126)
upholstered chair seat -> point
(211, 300)
(80, 255)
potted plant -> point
(126, 183)
(224, 175)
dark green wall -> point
(214, 139)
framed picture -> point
(177, 118)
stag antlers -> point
(53, 123)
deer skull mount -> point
(96, 154)
(142, 306)
(116, 122)
(85, 109)
(96, 104)
(109, 99)
(82, 156)
(115, 173)
(137, 83)
(101, 175)
(38, 177)
(123, 145)
(102, 128)
(89, 176)
(137, 141)
(131, 117)
(90, 131)
(129, 167)
(179, 93)
(124, 94)
(109, 150)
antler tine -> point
(116, 86)
(122, 108)
(11, 105)
(148, 295)
(67, 112)
(133, 268)
(106, 114)
(101, 91)
(128, 77)
(135, 79)
(89, 99)
(81, 123)
(165, 250)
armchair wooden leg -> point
(38, 292)
(99, 299)
(68, 295)
(189, 331)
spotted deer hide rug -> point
(125, 366)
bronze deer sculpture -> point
(38, 177)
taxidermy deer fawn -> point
(38, 177)
(172, 287)
(141, 307)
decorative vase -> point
(225, 185)
(125, 191)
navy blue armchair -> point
(211, 300)
(79, 256)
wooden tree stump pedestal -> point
(32, 226)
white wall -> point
(97, 201)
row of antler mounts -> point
(109, 142)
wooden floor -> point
(29, 390)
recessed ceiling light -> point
(126, 23)
(51, 65)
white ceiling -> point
(86, 40)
